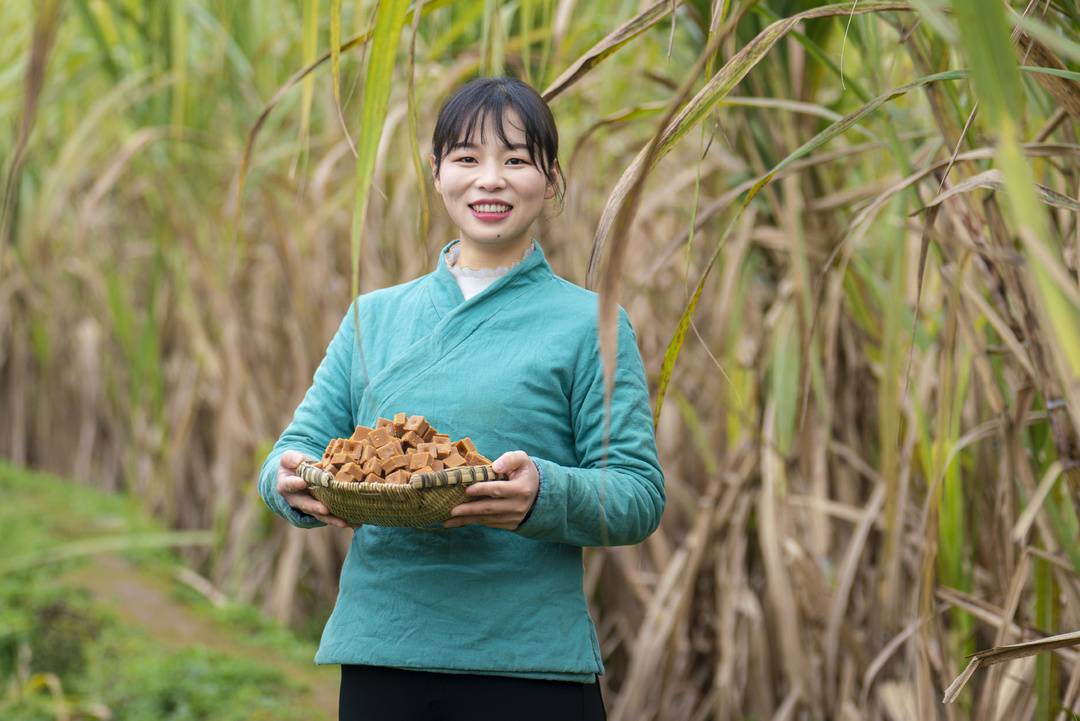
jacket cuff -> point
(544, 518)
(539, 490)
(299, 518)
(277, 503)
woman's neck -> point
(474, 255)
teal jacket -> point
(516, 367)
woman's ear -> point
(549, 191)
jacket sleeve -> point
(324, 413)
(615, 503)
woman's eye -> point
(520, 160)
(463, 158)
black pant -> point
(379, 693)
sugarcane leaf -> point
(614, 40)
(390, 17)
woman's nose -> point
(491, 176)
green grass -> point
(54, 633)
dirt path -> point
(144, 600)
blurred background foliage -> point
(846, 234)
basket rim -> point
(417, 482)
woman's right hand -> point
(295, 491)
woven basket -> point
(425, 502)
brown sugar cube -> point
(395, 463)
(474, 459)
(349, 472)
(354, 448)
(453, 461)
(440, 438)
(419, 460)
(427, 448)
(400, 477)
(393, 448)
(383, 422)
(395, 428)
(367, 452)
(379, 437)
(334, 446)
(437, 465)
(442, 450)
(372, 478)
(428, 434)
(339, 459)
(465, 446)
(344, 475)
(425, 469)
(417, 424)
(361, 433)
(400, 419)
(411, 438)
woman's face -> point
(490, 171)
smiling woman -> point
(494, 183)
(446, 623)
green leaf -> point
(389, 19)
(335, 48)
(986, 42)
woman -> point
(487, 618)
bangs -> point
(463, 125)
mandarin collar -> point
(446, 295)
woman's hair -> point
(482, 97)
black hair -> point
(483, 97)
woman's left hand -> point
(500, 504)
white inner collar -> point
(467, 272)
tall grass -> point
(846, 234)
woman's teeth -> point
(490, 208)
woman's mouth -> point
(490, 212)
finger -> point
(498, 489)
(474, 509)
(307, 505)
(492, 489)
(291, 484)
(510, 461)
(291, 459)
(330, 520)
